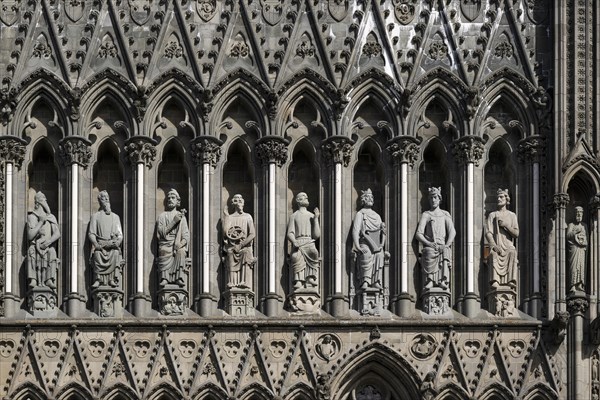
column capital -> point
(595, 202)
(577, 305)
(531, 149)
(272, 149)
(560, 200)
(12, 149)
(141, 149)
(206, 150)
(338, 149)
(404, 149)
(468, 149)
(75, 150)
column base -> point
(471, 305)
(12, 304)
(436, 301)
(205, 304)
(75, 304)
(339, 305)
(404, 305)
(502, 301)
(141, 304)
(173, 300)
(42, 302)
(535, 306)
(272, 304)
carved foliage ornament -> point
(239, 50)
(305, 49)
(504, 50)
(75, 150)
(338, 9)
(560, 200)
(468, 149)
(12, 149)
(404, 10)
(438, 50)
(577, 305)
(531, 149)
(206, 150)
(338, 149)
(371, 49)
(404, 149)
(272, 150)
(141, 150)
(9, 11)
(206, 9)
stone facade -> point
(268, 99)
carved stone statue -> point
(173, 236)
(368, 236)
(302, 232)
(42, 233)
(501, 230)
(106, 236)
(577, 243)
(238, 235)
(436, 233)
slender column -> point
(206, 152)
(272, 152)
(141, 152)
(403, 151)
(338, 150)
(530, 152)
(75, 153)
(595, 254)
(468, 151)
(12, 153)
(577, 305)
(557, 270)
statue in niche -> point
(173, 237)
(238, 235)
(42, 233)
(368, 236)
(501, 230)
(106, 237)
(577, 244)
(303, 231)
(436, 233)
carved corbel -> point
(338, 149)
(531, 149)
(469, 149)
(206, 150)
(558, 327)
(12, 149)
(404, 149)
(272, 149)
(75, 150)
(141, 149)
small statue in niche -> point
(501, 230)
(42, 233)
(303, 231)
(436, 233)
(173, 236)
(106, 236)
(577, 244)
(238, 235)
(368, 236)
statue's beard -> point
(107, 209)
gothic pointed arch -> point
(28, 391)
(452, 392)
(210, 391)
(379, 364)
(74, 391)
(539, 391)
(109, 118)
(108, 174)
(254, 391)
(584, 170)
(44, 117)
(43, 174)
(496, 391)
(164, 391)
(120, 392)
(434, 171)
(368, 173)
(173, 173)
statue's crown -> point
(366, 192)
(435, 191)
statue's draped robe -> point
(369, 226)
(304, 261)
(42, 264)
(504, 263)
(436, 226)
(577, 244)
(171, 258)
(106, 227)
(237, 227)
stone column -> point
(594, 247)
(141, 152)
(403, 151)
(12, 154)
(531, 150)
(272, 152)
(206, 152)
(578, 388)
(468, 151)
(75, 153)
(557, 275)
(337, 150)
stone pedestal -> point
(370, 301)
(173, 300)
(436, 301)
(42, 302)
(108, 302)
(305, 301)
(239, 302)
(502, 301)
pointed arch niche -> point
(368, 174)
(172, 174)
(43, 176)
(434, 172)
(108, 175)
(499, 174)
(238, 176)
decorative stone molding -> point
(141, 149)
(338, 149)
(577, 305)
(404, 149)
(531, 149)
(206, 150)
(272, 149)
(12, 149)
(75, 150)
(468, 149)
(560, 200)
(595, 202)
